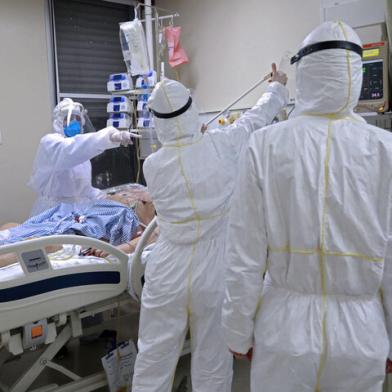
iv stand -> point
(156, 19)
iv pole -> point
(148, 20)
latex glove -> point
(122, 137)
(389, 366)
(247, 356)
(278, 76)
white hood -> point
(329, 81)
(64, 109)
(169, 96)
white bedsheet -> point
(64, 258)
(4, 234)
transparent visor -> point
(83, 119)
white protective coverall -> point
(62, 168)
(317, 192)
(191, 180)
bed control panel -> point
(35, 334)
(34, 261)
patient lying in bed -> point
(104, 219)
(108, 220)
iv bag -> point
(134, 47)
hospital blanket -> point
(104, 219)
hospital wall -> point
(232, 43)
(25, 104)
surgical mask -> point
(72, 129)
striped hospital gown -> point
(103, 219)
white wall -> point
(365, 16)
(25, 104)
(356, 13)
(231, 43)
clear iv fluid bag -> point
(134, 47)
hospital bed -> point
(45, 296)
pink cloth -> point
(177, 55)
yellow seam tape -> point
(260, 301)
(200, 218)
(348, 70)
(323, 355)
(330, 116)
(356, 255)
(287, 249)
(349, 92)
(179, 145)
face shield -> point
(72, 125)
(319, 46)
(71, 118)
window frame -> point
(56, 94)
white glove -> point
(122, 137)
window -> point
(87, 51)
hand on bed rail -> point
(11, 258)
(247, 356)
(127, 247)
(389, 366)
(85, 252)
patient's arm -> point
(119, 198)
(9, 225)
(145, 211)
(10, 258)
(128, 247)
(7, 259)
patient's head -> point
(139, 199)
(145, 211)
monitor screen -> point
(372, 86)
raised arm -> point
(233, 137)
(64, 153)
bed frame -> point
(47, 306)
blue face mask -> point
(72, 129)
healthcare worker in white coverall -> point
(313, 208)
(191, 180)
(62, 168)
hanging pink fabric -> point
(177, 55)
